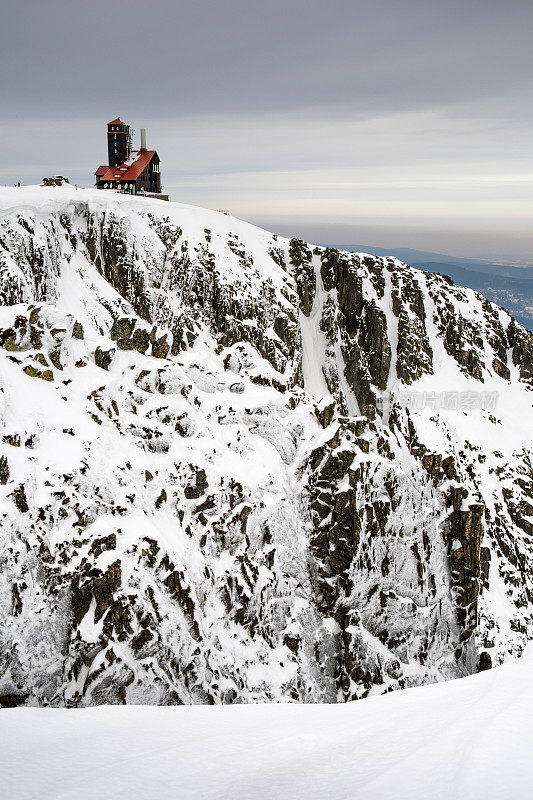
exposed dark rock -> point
(140, 340)
(198, 488)
(12, 700)
(161, 499)
(522, 343)
(414, 353)
(465, 532)
(103, 358)
(33, 372)
(55, 359)
(336, 465)
(161, 347)
(300, 256)
(104, 543)
(20, 500)
(105, 587)
(369, 412)
(4, 471)
(77, 330)
(501, 369)
(81, 596)
(367, 354)
(485, 661)
(286, 329)
(432, 463)
(463, 343)
(141, 640)
(325, 412)
(449, 468)
(122, 329)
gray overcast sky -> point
(405, 123)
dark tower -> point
(118, 142)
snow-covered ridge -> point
(468, 738)
(238, 468)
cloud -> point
(403, 116)
(242, 55)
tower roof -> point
(116, 121)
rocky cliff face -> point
(237, 468)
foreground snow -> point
(466, 738)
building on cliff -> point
(129, 171)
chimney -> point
(143, 138)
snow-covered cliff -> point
(239, 468)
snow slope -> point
(466, 738)
(214, 487)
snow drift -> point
(467, 738)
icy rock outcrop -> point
(187, 517)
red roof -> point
(101, 170)
(116, 121)
(129, 172)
